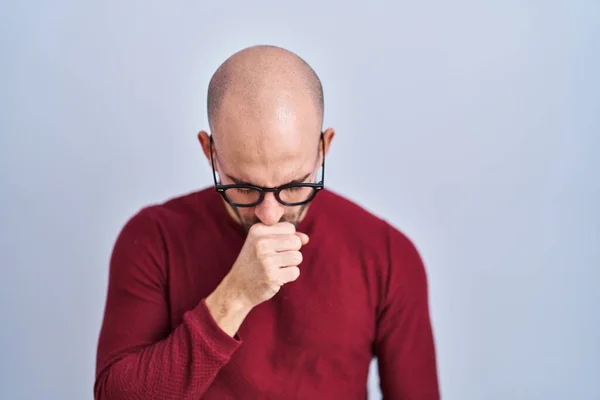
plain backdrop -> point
(473, 126)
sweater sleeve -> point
(404, 343)
(139, 355)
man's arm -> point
(139, 357)
(404, 343)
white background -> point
(473, 126)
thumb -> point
(303, 237)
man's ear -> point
(204, 140)
(328, 135)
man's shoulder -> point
(187, 203)
(348, 213)
(352, 219)
(176, 210)
(375, 236)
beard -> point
(292, 218)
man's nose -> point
(269, 211)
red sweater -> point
(362, 292)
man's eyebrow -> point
(243, 182)
(238, 181)
(299, 180)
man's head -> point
(265, 111)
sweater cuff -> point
(215, 337)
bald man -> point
(267, 285)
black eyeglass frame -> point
(275, 190)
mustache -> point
(292, 219)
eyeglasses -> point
(292, 194)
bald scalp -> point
(250, 79)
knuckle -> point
(261, 246)
(268, 264)
(295, 242)
(288, 227)
(291, 242)
(255, 229)
(294, 273)
(271, 275)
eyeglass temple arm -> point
(212, 161)
(323, 163)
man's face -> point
(267, 147)
(271, 166)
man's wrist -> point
(228, 291)
(227, 307)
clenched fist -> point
(268, 260)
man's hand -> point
(268, 260)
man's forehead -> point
(269, 176)
(272, 158)
(267, 140)
(266, 149)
